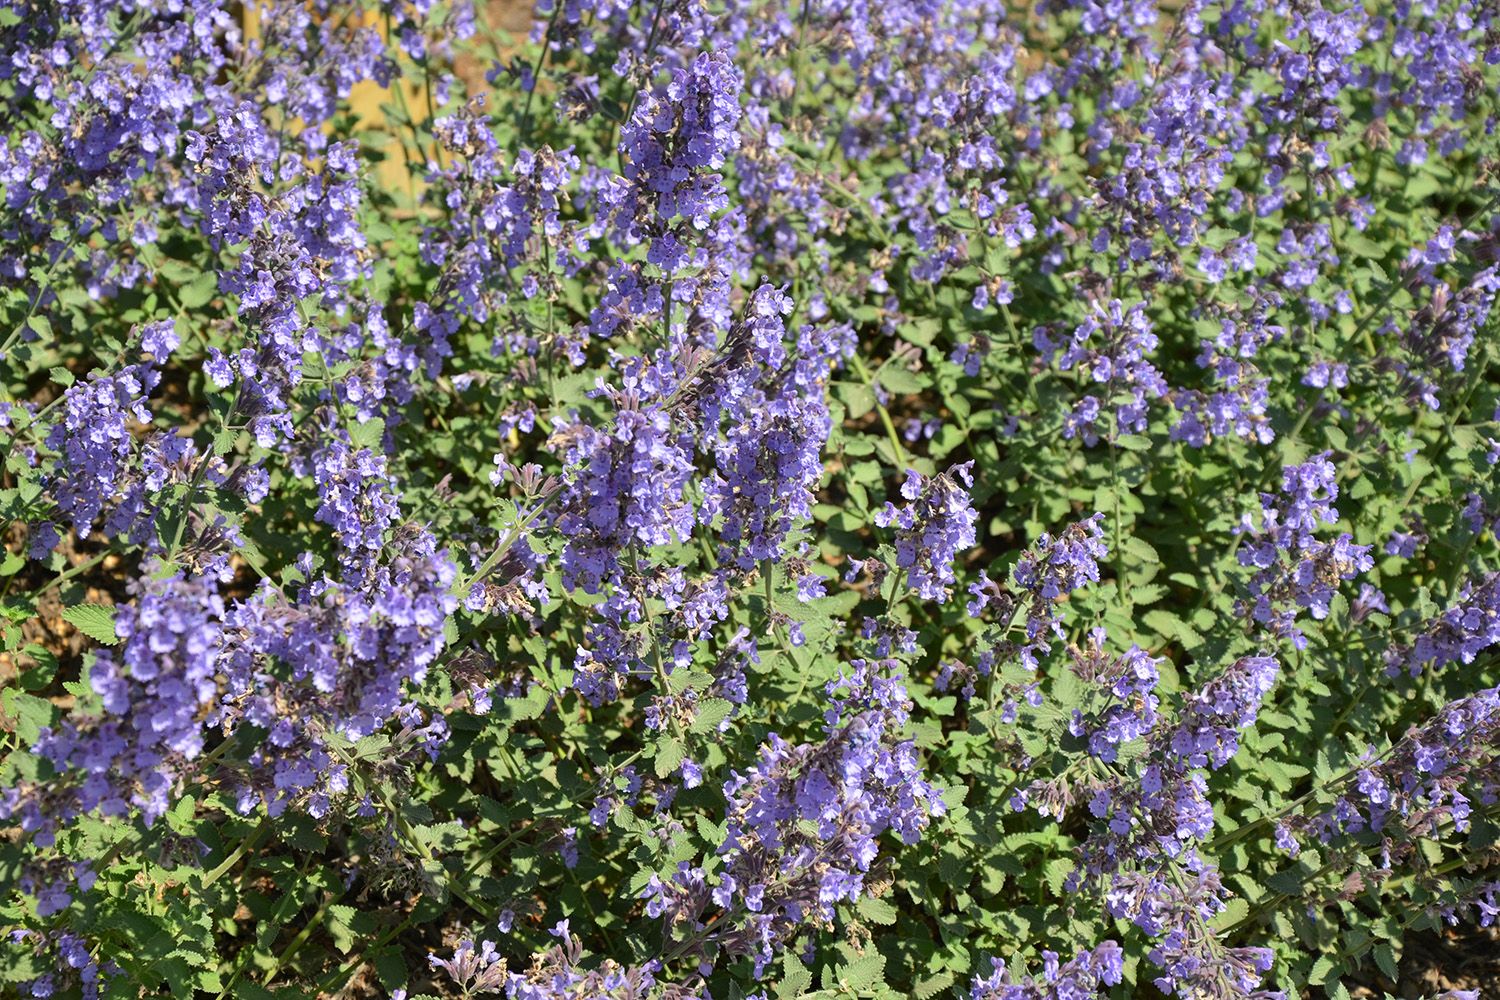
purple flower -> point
(932, 530)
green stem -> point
(41, 290)
(885, 415)
(523, 127)
(801, 50)
(71, 572)
(298, 941)
(663, 684)
(239, 852)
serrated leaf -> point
(898, 379)
(862, 973)
(180, 817)
(876, 911)
(795, 978)
(1288, 882)
(1144, 594)
(1169, 626)
(390, 967)
(711, 712)
(200, 291)
(1058, 870)
(348, 926)
(39, 676)
(1385, 957)
(1361, 245)
(1219, 237)
(31, 713)
(931, 986)
(1323, 970)
(97, 621)
(669, 756)
(368, 434)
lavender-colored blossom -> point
(804, 823)
(932, 530)
(1457, 635)
(1294, 569)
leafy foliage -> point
(746, 499)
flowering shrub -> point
(738, 499)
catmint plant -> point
(666, 500)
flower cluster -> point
(1055, 567)
(1428, 779)
(1293, 569)
(1128, 685)
(1086, 974)
(803, 825)
(555, 974)
(1112, 345)
(932, 530)
(1150, 817)
(1470, 625)
(450, 460)
(94, 446)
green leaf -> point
(1385, 957)
(669, 756)
(391, 968)
(1361, 245)
(376, 231)
(1169, 626)
(247, 990)
(1219, 237)
(898, 379)
(349, 926)
(37, 677)
(1057, 872)
(1323, 969)
(711, 712)
(1145, 594)
(200, 291)
(862, 973)
(180, 817)
(97, 621)
(368, 434)
(1288, 881)
(62, 377)
(795, 978)
(876, 911)
(31, 712)
(930, 986)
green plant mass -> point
(749, 500)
